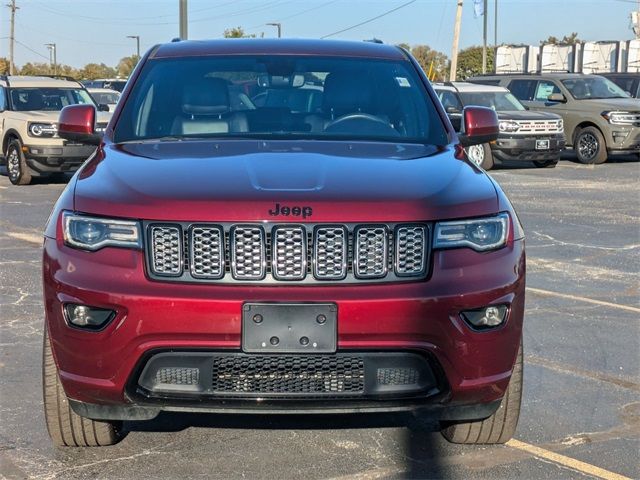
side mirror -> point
(479, 125)
(103, 107)
(557, 97)
(77, 123)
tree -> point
(470, 62)
(433, 63)
(126, 66)
(566, 40)
(91, 71)
(4, 66)
(36, 68)
(237, 32)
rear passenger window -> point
(544, 89)
(523, 89)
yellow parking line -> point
(584, 299)
(566, 461)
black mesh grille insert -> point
(288, 374)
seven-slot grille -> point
(238, 253)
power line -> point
(370, 19)
(31, 49)
(295, 14)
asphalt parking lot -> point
(581, 408)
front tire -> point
(66, 428)
(590, 146)
(499, 427)
(480, 156)
(17, 168)
(545, 163)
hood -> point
(623, 104)
(527, 115)
(245, 180)
(40, 116)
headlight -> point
(43, 129)
(480, 234)
(508, 126)
(622, 118)
(92, 233)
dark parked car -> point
(219, 256)
(527, 136)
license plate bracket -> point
(542, 144)
(289, 327)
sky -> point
(96, 30)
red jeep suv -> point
(275, 227)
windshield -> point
(280, 97)
(593, 88)
(47, 99)
(499, 101)
(105, 97)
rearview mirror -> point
(479, 125)
(452, 110)
(77, 123)
(557, 97)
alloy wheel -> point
(13, 164)
(475, 154)
(588, 146)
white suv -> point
(29, 109)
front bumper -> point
(523, 148)
(102, 369)
(623, 139)
(46, 159)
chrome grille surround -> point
(289, 252)
(206, 245)
(411, 250)
(166, 250)
(279, 253)
(371, 251)
(330, 250)
(248, 252)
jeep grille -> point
(239, 253)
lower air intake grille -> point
(288, 374)
(177, 376)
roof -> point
(554, 75)
(468, 87)
(28, 81)
(263, 46)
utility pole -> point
(184, 20)
(495, 24)
(52, 52)
(12, 39)
(484, 37)
(456, 38)
(279, 28)
(137, 38)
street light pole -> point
(52, 51)
(274, 24)
(137, 38)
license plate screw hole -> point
(321, 319)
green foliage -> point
(4, 66)
(470, 62)
(566, 40)
(91, 71)
(433, 63)
(126, 66)
(237, 32)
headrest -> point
(206, 96)
(347, 92)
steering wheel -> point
(361, 123)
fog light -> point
(91, 318)
(487, 317)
